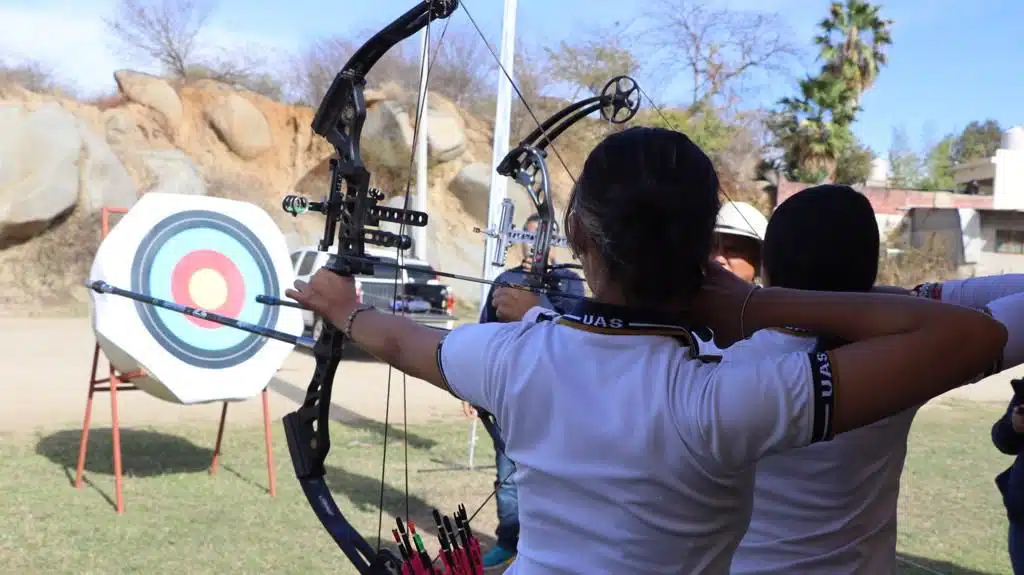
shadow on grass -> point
(144, 453)
(915, 565)
(366, 495)
(352, 419)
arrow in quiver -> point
(209, 253)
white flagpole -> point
(419, 203)
(502, 128)
(499, 184)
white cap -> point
(741, 219)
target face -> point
(211, 261)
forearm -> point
(398, 341)
(980, 291)
(857, 316)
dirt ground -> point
(45, 365)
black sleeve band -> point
(440, 366)
(823, 390)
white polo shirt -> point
(827, 509)
(631, 457)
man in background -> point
(505, 304)
(739, 233)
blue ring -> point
(142, 267)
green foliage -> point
(701, 123)
(978, 140)
(853, 166)
(938, 166)
(852, 42)
(904, 163)
(812, 129)
(587, 65)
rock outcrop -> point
(61, 161)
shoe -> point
(498, 557)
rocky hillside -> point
(62, 160)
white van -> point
(420, 295)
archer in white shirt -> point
(830, 509)
(633, 457)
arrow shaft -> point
(103, 287)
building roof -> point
(894, 201)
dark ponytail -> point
(646, 200)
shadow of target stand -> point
(117, 381)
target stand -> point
(117, 381)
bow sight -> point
(618, 103)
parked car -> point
(419, 294)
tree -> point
(319, 62)
(32, 76)
(813, 130)
(717, 49)
(852, 43)
(938, 166)
(904, 163)
(978, 140)
(164, 31)
(460, 67)
(853, 166)
(587, 64)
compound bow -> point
(339, 120)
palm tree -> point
(852, 43)
(814, 128)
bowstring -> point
(423, 78)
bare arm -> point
(398, 341)
(904, 351)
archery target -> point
(209, 253)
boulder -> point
(104, 179)
(240, 125)
(387, 135)
(152, 92)
(121, 128)
(446, 136)
(39, 156)
(173, 172)
(472, 187)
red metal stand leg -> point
(83, 445)
(271, 476)
(220, 436)
(115, 429)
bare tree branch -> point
(162, 30)
(717, 49)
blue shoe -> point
(498, 557)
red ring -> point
(194, 261)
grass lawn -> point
(179, 519)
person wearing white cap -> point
(739, 232)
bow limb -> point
(351, 206)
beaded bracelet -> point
(347, 330)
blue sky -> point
(952, 62)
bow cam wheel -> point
(621, 99)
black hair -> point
(823, 238)
(644, 193)
(533, 218)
